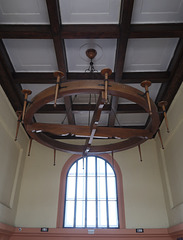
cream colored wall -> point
(12, 156)
(171, 160)
(143, 193)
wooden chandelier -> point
(104, 88)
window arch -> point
(85, 205)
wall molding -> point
(14, 233)
(6, 231)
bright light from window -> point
(91, 195)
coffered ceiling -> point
(138, 39)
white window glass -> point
(82, 167)
(100, 167)
(69, 216)
(91, 188)
(111, 188)
(81, 188)
(113, 216)
(91, 213)
(102, 214)
(71, 185)
(110, 171)
(101, 188)
(72, 171)
(80, 213)
(91, 166)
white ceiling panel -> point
(153, 91)
(35, 88)
(23, 11)
(35, 55)
(157, 11)
(51, 118)
(130, 119)
(90, 12)
(79, 62)
(145, 55)
(84, 118)
(85, 99)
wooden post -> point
(58, 75)
(145, 84)
(163, 104)
(26, 92)
(19, 114)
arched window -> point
(91, 199)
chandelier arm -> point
(78, 149)
(104, 132)
(93, 87)
(94, 123)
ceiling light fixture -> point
(91, 54)
(127, 138)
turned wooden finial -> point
(106, 72)
(140, 153)
(159, 134)
(54, 159)
(59, 75)
(30, 145)
(26, 92)
(146, 84)
(19, 115)
(163, 104)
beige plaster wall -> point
(171, 160)
(143, 193)
(12, 156)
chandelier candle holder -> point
(19, 115)
(26, 92)
(146, 84)
(159, 134)
(59, 75)
(163, 105)
(106, 72)
(30, 145)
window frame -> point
(119, 186)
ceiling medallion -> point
(127, 138)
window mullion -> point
(107, 209)
(75, 200)
(86, 179)
(96, 192)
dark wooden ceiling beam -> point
(125, 21)
(55, 22)
(12, 90)
(176, 78)
(127, 78)
(94, 31)
(174, 30)
(90, 31)
(77, 108)
(138, 77)
(25, 31)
